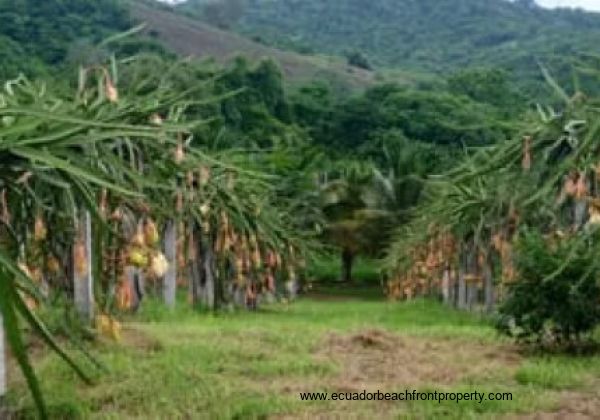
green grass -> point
(186, 364)
(327, 269)
(559, 372)
(324, 276)
(524, 401)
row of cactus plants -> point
(91, 182)
(460, 244)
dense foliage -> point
(556, 296)
(34, 32)
(433, 116)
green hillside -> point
(304, 37)
(421, 35)
(191, 37)
(37, 38)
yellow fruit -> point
(137, 257)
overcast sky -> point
(586, 4)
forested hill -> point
(40, 36)
(422, 35)
(35, 34)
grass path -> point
(234, 366)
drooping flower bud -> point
(204, 175)
(80, 259)
(581, 188)
(138, 238)
(158, 265)
(526, 153)
(179, 153)
(156, 119)
(53, 265)
(151, 235)
(39, 229)
(112, 94)
(103, 203)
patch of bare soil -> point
(134, 338)
(379, 360)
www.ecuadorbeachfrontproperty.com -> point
(407, 395)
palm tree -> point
(358, 208)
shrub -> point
(556, 299)
(358, 59)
